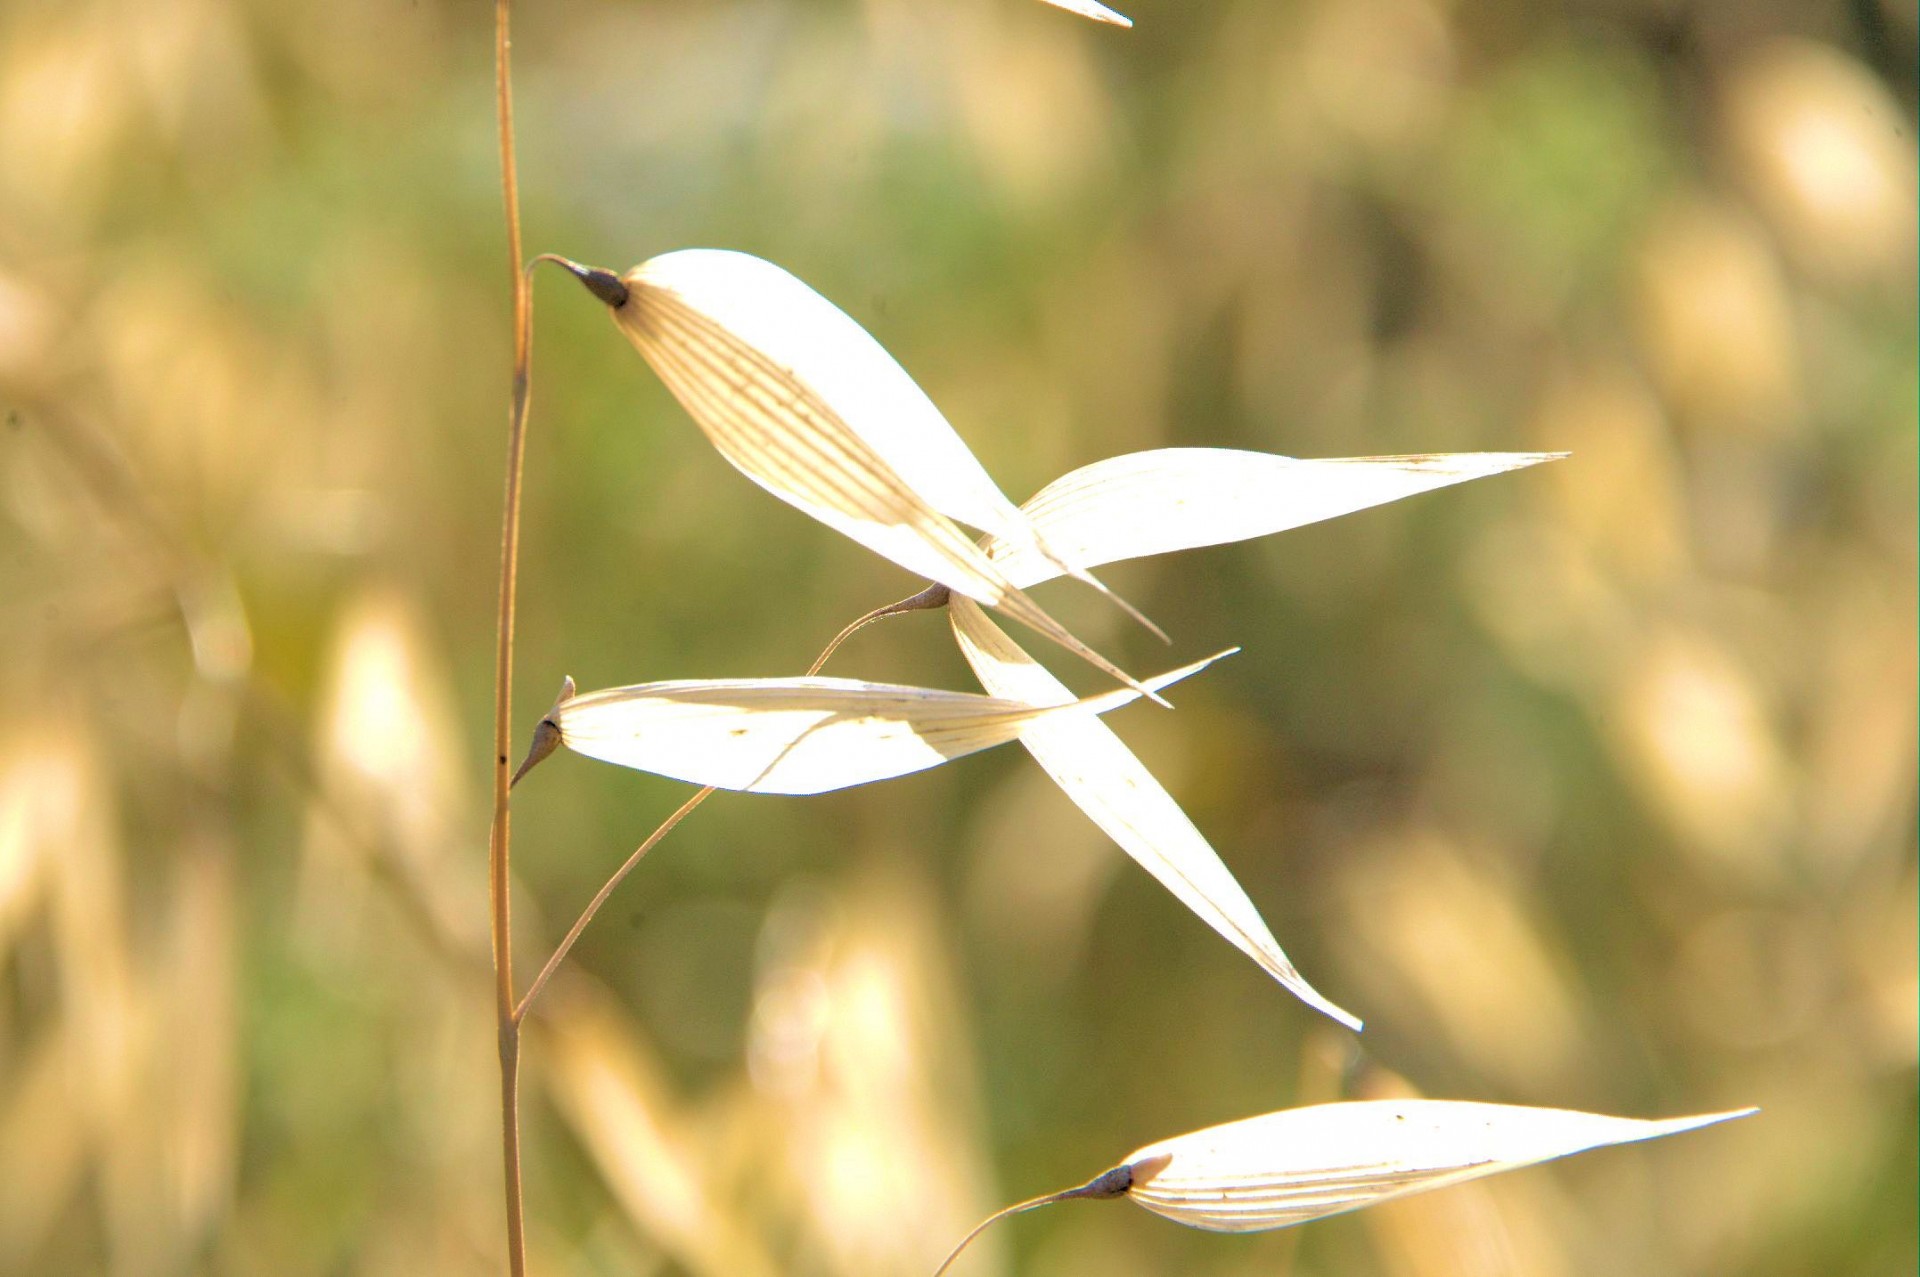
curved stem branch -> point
(934, 596)
(1113, 1183)
(593, 906)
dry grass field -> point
(1590, 786)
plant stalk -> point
(499, 878)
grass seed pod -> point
(1307, 1163)
(1296, 1165)
(800, 735)
(803, 401)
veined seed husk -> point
(803, 401)
(1301, 1164)
(802, 735)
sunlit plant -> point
(806, 403)
(796, 395)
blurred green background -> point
(1589, 786)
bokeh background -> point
(1590, 786)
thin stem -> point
(1113, 1183)
(593, 906)
(934, 596)
(499, 887)
(984, 1225)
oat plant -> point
(800, 398)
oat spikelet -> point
(1300, 1164)
(1296, 1165)
(801, 735)
(804, 402)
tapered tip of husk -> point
(546, 734)
(1092, 9)
(1673, 1126)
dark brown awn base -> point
(602, 283)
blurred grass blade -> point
(42, 1126)
(1180, 498)
(1121, 796)
(803, 401)
(802, 735)
(607, 1086)
(1300, 1164)
(1091, 9)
